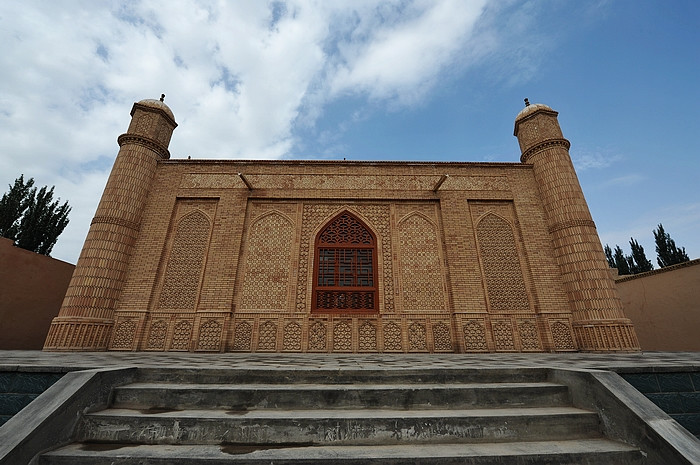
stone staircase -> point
(280, 416)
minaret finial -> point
(527, 102)
(162, 97)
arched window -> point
(345, 273)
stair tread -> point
(345, 413)
(292, 452)
(316, 386)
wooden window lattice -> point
(345, 273)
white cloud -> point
(403, 58)
(239, 76)
(584, 159)
(627, 180)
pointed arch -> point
(267, 263)
(345, 268)
(420, 264)
(505, 283)
(184, 268)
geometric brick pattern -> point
(417, 340)
(529, 337)
(503, 335)
(561, 332)
(267, 336)
(367, 337)
(267, 264)
(599, 322)
(421, 273)
(442, 337)
(392, 337)
(292, 337)
(213, 255)
(475, 336)
(243, 337)
(504, 277)
(157, 335)
(318, 336)
(314, 214)
(342, 337)
(340, 334)
(123, 336)
(182, 335)
(184, 268)
(210, 335)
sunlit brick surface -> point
(220, 256)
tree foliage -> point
(667, 253)
(31, 217)
(609, 256)
(621, 261)
(628, 264)
(638, 262)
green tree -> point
(667, 253)
(609, 256)
(621, 261)
(638, 262)
(12, 205)
(31, 218)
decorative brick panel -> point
(392, 337)
(422, 276)
(182, 335)
(314, 215)
(505, 284)
(209, 338)
(184, 268)
(367, 337)
(242, 336)
(442, 337)
(157, 335)
(215, 255)
(267, 263)
(267, 337)
(475, 336)
(292, 337)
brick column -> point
(598, 320)
(86, 317)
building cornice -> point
(529, 153)
(149, 143)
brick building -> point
(337, 256)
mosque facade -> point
(341, 256)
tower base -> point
(78, 334)
(606, 336)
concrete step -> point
(582, 451)
(337, 426)
(314, 375)
(404, 396)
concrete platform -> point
(603, 407)
(619, 362)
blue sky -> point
(363, 80)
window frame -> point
(348, 249)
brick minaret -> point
(598, 319)
(86, 317)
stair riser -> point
(355, 431)
(249, 399)
(593, 458)
(323, 376)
